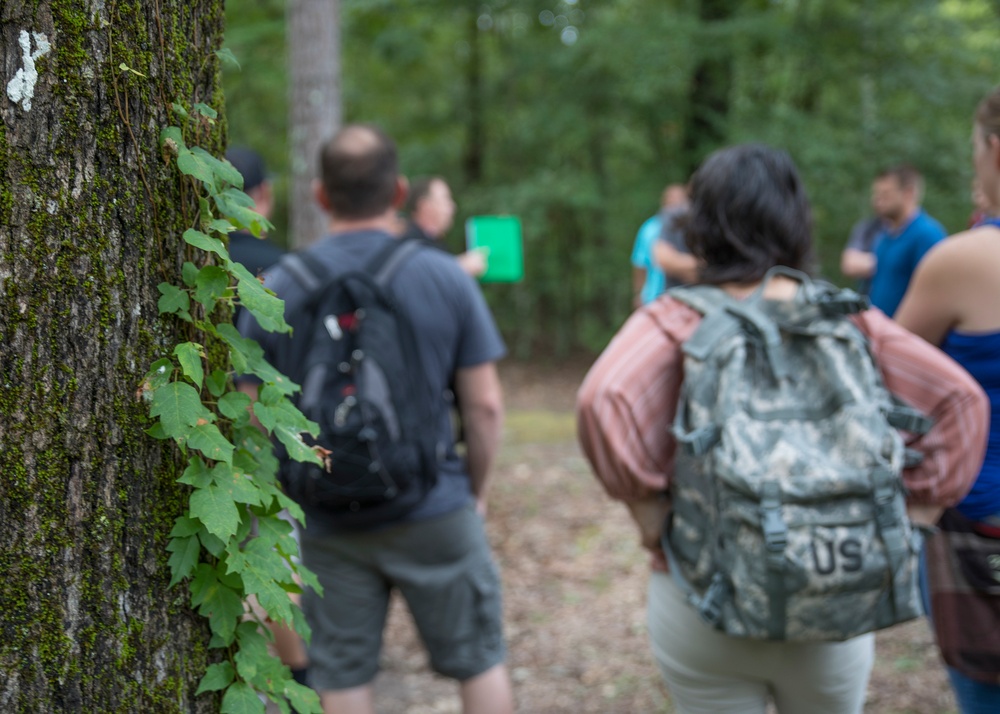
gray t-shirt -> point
(452, 323)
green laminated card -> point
(500, 238)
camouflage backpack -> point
(789, 520)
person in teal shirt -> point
(648, 279)
(909, 233)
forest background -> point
(573, 115)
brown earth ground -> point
(574, 587)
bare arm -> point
(638, 280)
(677, 265)
(930, 308)
(858, 264)
(480, 403)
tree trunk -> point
(475, 139)
(90, 219)
(708, 97)
(313, 32)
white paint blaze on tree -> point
(313, 38)
(90, 221)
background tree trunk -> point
(313, 32)
(90, 218)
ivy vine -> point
(231, 471)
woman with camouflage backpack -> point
(749, 214)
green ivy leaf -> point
(207, 439)
(212, 283)
(158, 375)
(206, 243)
(240, 209)
(217, 676)
(189, 272)
(190, 355)
(221, 168)
(179, 408)
(173, 134)
(185, 554)
(227, 57)
(268, 309)
(192, 165)
(179, 110)
(172, 299)
(184, 526)
(216, 510)
(217, 382)
(220, 225)
(234, 405)
(299, 621)
(237, 484)
(263, 569)
(248, 358)
(205, 208)
(213, 544)
(222, 605)
(156, 431)
(277, 533)
(240, 698)
(304, 699)
(196, 474)
(253, 655)
(205, 111)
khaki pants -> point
(708, 672)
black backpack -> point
(363, 382)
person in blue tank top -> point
(954, 301)
(907, 235)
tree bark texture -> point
(91, 212)
(313, 38)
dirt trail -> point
(574, 587)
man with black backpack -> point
(381, 328)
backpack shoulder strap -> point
(726, 316)
(305, 269)
(387, 261)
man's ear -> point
(993, 141)
(319, 193)
(402, 191)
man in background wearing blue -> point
(908, 234)
(648, 279)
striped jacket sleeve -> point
(928, 379)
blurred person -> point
(648, 280)
(954, 301)
(907, 235)
(431, 211)
(670, 252)
(749, 213)
(857, 261)
(435, 553)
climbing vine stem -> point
(231, 546)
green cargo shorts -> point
(443, 569)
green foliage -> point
(573, 114)
(230, 468)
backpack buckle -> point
(710, 605)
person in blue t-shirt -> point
(909, 233)
(648, 279)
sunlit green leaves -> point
(178, 407)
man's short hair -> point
(359, 168)
(420, 188)
(250, 164)
(907, 177)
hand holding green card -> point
(499, 237)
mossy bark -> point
(90, 217)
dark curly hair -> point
(749, 212)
